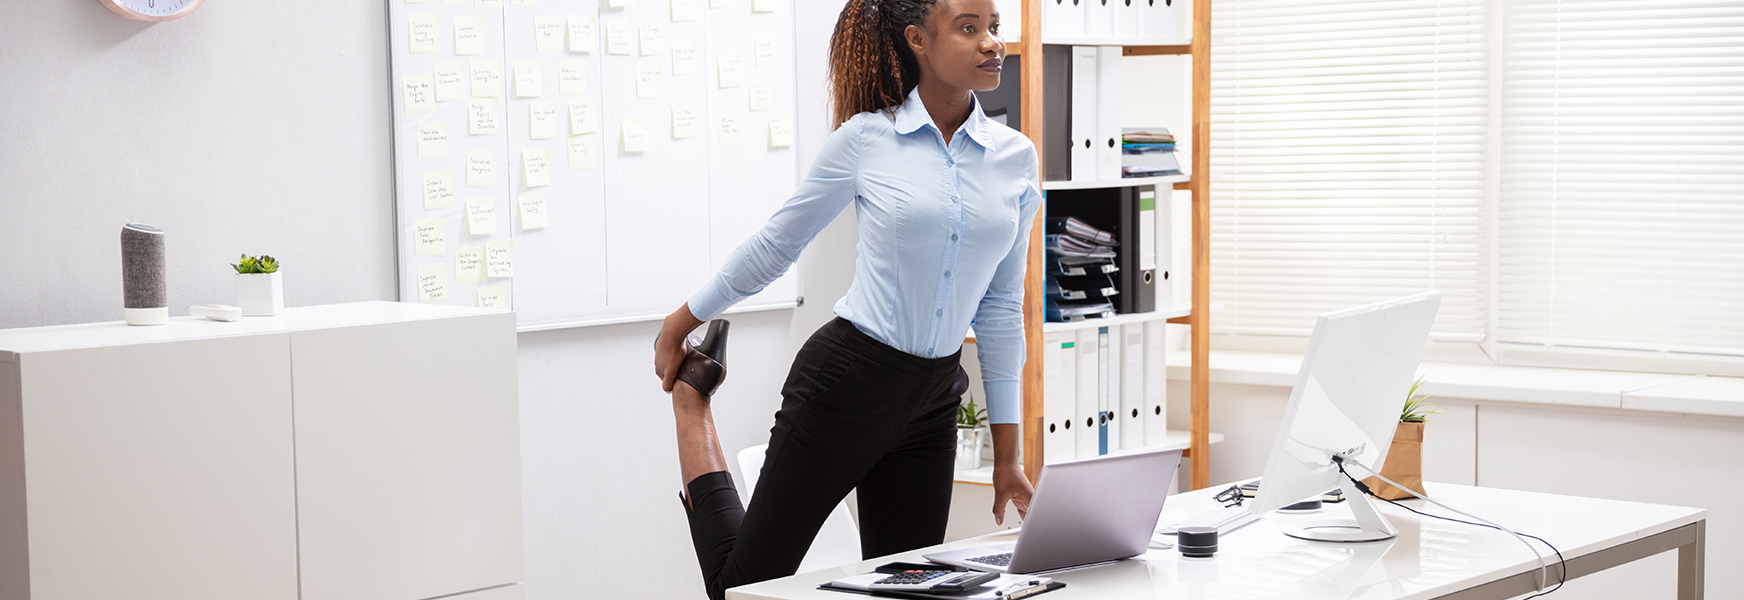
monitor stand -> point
(1369, 525)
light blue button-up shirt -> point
(944, 233)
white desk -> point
(1431, 558)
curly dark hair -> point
(871, 66)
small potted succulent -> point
(260, 289)
(970, 421)
(1405, 457)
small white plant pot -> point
(968, 448)
(260, 294)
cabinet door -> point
(160, 470)
(408, 458)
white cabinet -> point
(363, 450)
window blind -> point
(1622, 175)
(1348, 161)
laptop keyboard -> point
(997, 560)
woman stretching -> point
(944, 199)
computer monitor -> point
(1346, 403)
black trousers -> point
(855, 413)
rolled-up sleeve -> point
(999, 342)
(769, 252)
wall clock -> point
(151, 10)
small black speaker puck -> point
(1196, 542)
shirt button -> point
(953, 237)
(947, 274)
(938, 313)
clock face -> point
(151, 10)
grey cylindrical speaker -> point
(142, 275)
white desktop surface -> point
(1429, 559)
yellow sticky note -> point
(650, 79)
(499, 258)
(729, 73)
(493, 297)
(683, 10)
(543, 122)
(582, 117)
(469, 264)
(428, 238)
(533, 215)
(481, 116)
(433, 141)
(438, 189)
(571, 77)
(635, 134)
(433, 282)
(423, 33)
(732, 129)
(763, 6)
(683, 120)
(450, 81)
(581, 153)
(468, 35)
(529, 79)
(781, 130)
(684, 52)
(420, 94)
(720, 3)
(481, 168)
(653, 39)
(548, 32)
(481, 216)
(620, 37)
(536, 167)
(487, 78)
(488, 4)
(765, 51)
(762, 93)
(583, 37)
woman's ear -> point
(916, 37)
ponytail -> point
(871, 65)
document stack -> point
(1081, 267)
(1130, 21)
(1148, 152)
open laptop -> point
(1083, 512)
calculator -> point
(932, 581)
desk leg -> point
(1690, 560)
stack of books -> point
(1081, 268)
(1148, 152)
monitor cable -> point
(1543, 569)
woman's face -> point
(960, 45)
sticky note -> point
(487, 78)
(420, 96)
(583, 37)
(571, 77)
(763, 6)
(481, 216)
(469, 264)
(581, 153)
(488, 4)
(468, 35)
(684, 53)
(427, 238)
(423, 34)
(450, 81)
(781, 130)
(620, 37)
(653, 39)
(533, 214)
(729, 74)
(536, 167)
(481, 116)
(683, 10)
(650, 80)
(635, 134)
(529, 79)
(493, 297)
(582, 118)
(762, 93)
(542, 120)
(765, 51)
(433, 282)
(438, 189)
(481, 168)
(499, 258)
(433, 141)
(548, 33)
(732, 129)
(619, 3)
(683, 120)
(720, 3)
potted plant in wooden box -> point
(260, 290)
(1405, 457)
(970, 421)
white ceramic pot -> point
(969, 448)
(260, 294)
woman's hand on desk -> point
(669, 346)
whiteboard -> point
(628, 235)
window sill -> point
(1648, 392)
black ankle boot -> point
(705, 362)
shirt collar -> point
(912, 115)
